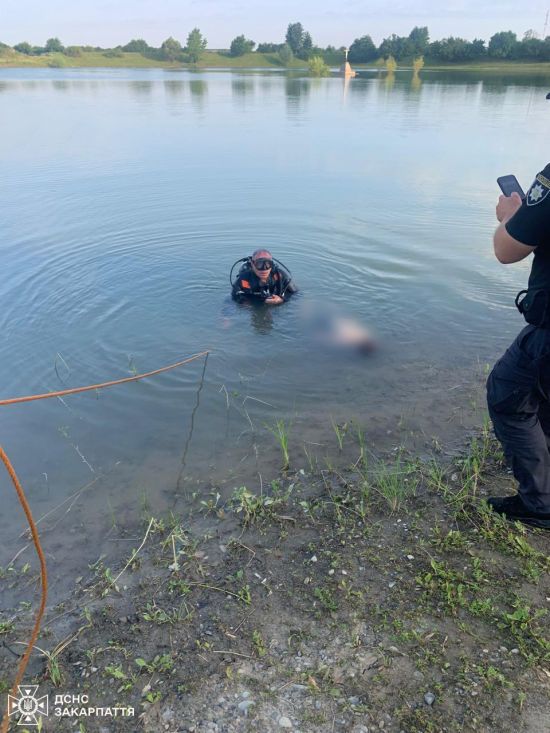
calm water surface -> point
(126, 196)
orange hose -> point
(25, 659)
(64, 392)
(26, 508)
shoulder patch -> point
(245, 284)
(538, 191)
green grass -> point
(94, 59)
(254, 60)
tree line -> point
(170, 49)
(503, 45)
(298, 43)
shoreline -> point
(248, 62)
(372, 593)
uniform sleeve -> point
(531, 223)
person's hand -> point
(273, 300)
(507, 206)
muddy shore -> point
(367, 594)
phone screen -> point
(509, 184)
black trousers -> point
(517, 397)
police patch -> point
(538, 191)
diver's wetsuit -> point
(248, 285)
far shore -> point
(249, 61)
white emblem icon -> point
(536, 193)
(28, 705)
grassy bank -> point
(364, 594)
(95, 59)
(212, 59)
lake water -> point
(126, 196)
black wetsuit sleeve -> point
(242, 287)
(287, 287)
(237, 292)
(531, 223)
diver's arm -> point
(288, 288)
(241, 288)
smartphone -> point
(509, 184)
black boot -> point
(515, 510)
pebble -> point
(285, 722)
(244, 705)
(354, 700)
(429, 698)
(167, 715)
(514, 651)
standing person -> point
(261, 279)
(518, 388)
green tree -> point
(171, 49)
(456, 50)
(478, 50)
(502, 45)
(285, 54)
(295, 37)
(399, 47)
(269, 47)
(137, 45)
(419, 39)
(23, 47)
(240, 45)
(531, 48)
(307, 46)
(54, 45)
(362, 50)
(196, 44)
(317, 66)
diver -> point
(262, 279)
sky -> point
(109, 23)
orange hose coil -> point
(26, 508)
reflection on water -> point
(174, 88)
(60, 86)
(198, 87)
(242, 87)
(141, 87)
(123, 211)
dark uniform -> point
(518, 387)
(248, 285)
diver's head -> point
(262, 264)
